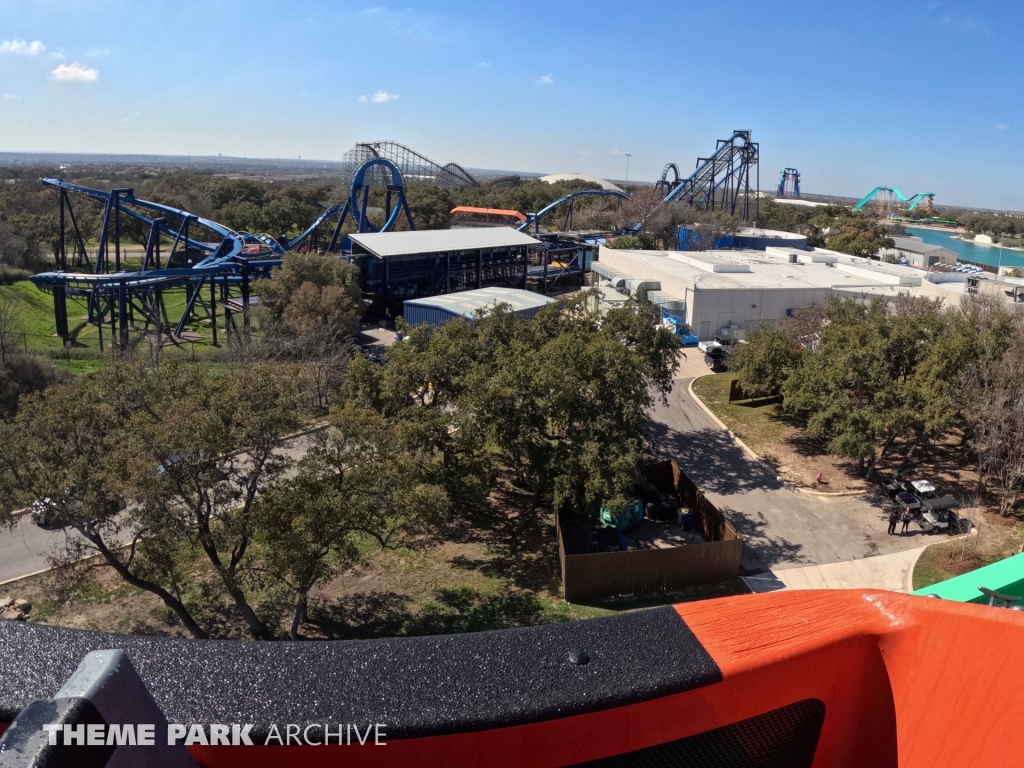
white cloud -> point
(547, 79)
(22, 46)
(75, 72)
(1001, 126)
(98, 52)
(379, 97)
(10, 96)
(484, 64)
(407, 22)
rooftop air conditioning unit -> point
(793, 259)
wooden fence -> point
(608, 574)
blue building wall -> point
(687, 238)
(418, 311)
(415, 314)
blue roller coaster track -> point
(719, 181)
(913, 201)
(117, 295)
(533, 219)
(664, 184)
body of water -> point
(968, 251)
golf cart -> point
(893, 484)
(941, 514)
(905, 500)
(52, 514)
(922, 489)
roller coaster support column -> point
(153, 245)
(122, 313)
(245, 302)
(62, 255)
(213, 308)
(60, 312)
(79, 253)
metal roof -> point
(388, 244)
(556, 177)
(916, 245)
(466, 303)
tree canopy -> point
(868, 375)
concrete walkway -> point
(892, 572)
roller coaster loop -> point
(666, 186)
(359, 197)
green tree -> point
(628, 242)
(61, 447)
(562, 398)
(431, 207)
(862, 386)
(361, 477)
(195, 464)
(858, 237)
(766, 361)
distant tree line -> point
(828, 226)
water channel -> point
(968, 251)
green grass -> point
(931, 566)
(758, 425)
(35, 316)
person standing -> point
(907, 517)
(894, 517)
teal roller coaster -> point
(920, 198)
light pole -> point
(627, 165)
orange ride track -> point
(888, 679)
(905, 681)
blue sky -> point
(923, 96)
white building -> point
(742, 288)
(915, 251)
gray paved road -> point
(23, 549)
(782, 528)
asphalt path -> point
(782, 527)
(24, 548)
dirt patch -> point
(958, 563)
(995, 538)
(798, 458)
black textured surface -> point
(783, 738)
(416, 686)
(26, 745)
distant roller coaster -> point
(721, 181)
(886, 198)
(789, 184)
(203, 253)
(417, 168)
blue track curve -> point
(533, 219)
